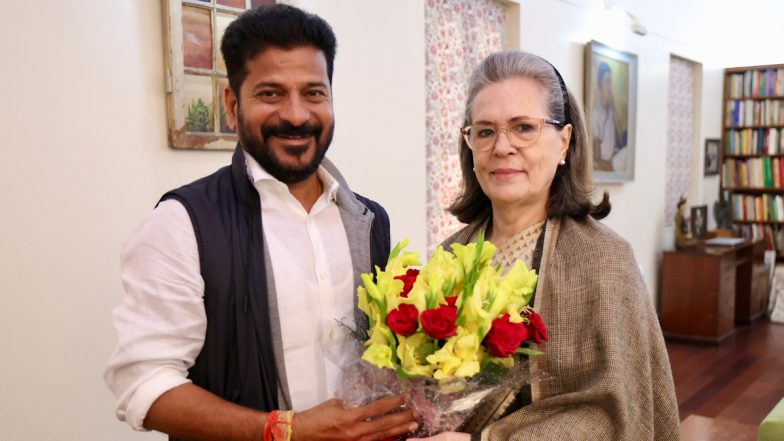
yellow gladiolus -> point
(410, 350)
(482, 293)
(379, 355)
(400, 260)
(370, 286)
(363, 303)
(459, 357)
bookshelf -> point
(752, 145)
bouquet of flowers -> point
(448, 333)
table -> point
(706, 290)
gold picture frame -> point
(611, 110)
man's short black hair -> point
(281, 26)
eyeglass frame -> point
(554, 122)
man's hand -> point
(331, 421)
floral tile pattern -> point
(680, 136)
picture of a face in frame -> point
(699, 221)
(611, 89)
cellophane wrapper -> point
(439, 406)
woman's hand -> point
(446, 436)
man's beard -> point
(264, 155)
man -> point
(234, 280)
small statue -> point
(683, 237)
(723, 213)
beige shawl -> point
(611, 377)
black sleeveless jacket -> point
(237, 360)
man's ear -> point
(231, 103)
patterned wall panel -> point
(680, 135)
(458, 35)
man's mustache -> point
(287, 130)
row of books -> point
(763, 208)
(764, 172)
(757, 83)
(754, 113)
(772, 234)
(754, 142)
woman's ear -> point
(566, 137)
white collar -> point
(257, 174)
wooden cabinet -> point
(707, 289)
(751, 290)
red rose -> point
(505, 337)
(451, 300)
(403, 320)
(440, 323)
(536, 328)
(408, 280)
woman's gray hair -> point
(571, 189)
(502, 66)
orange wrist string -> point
(278, 426)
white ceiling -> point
(723, 32)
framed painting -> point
(195, 74)
(611, 110)
(711, 157)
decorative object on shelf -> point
(195, 75)
(611, 103)
(712, 157)
(683, 237)
(722, 213)
(752, 152)
(699, 221)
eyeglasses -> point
(521, 132)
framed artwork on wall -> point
(195, 74)
(711, 157)
(699, 221)
(611, 110)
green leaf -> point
(405, 375)
(494, 369)
(528, 351)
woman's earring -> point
(563, 162)
(474, 169)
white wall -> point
(379, 92)
(85, 158)
(712, 80)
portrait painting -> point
(699, 221)
(711, 157)
(611, 104)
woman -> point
(526, 168)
